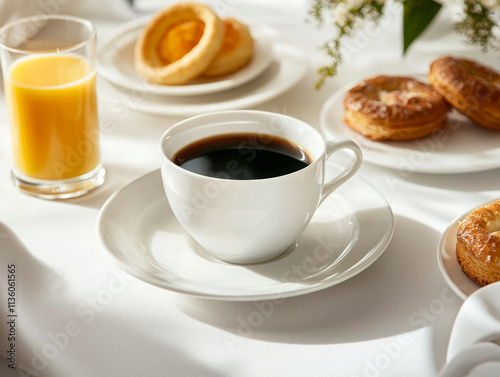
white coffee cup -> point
(249, 221)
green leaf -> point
(417, 15)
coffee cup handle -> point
(349, 171)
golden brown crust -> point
(394, 108)
(236, 50)
(478, 244)
(151, 65)
(473, 89)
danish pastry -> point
(394, 108)
(478, 244)
(236, 50)
(178, 44)
(473, 89)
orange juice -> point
(53, 112)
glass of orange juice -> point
(49, 74)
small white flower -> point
(492, 4)
(343, 10)
(341, 14)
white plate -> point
(461, 147)
(116, 64)
(284, 72)
(347, 234)
(461, 284)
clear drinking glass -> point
(49, 72)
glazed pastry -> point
(478, 244)
(470, 87)
(236, 50)
(178, 44)
(394, 108)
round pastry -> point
(236, 50)
(394, 108)
(178, 44)
(478, 244)
(470, 87)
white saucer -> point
(116, 64)
(462, 147)
(347, 234)
(286, 70)
(461, 284)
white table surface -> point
(393, 319)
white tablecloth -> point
(79, 315)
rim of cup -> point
(316, 158)
(41, 17)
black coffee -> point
(242, 156)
